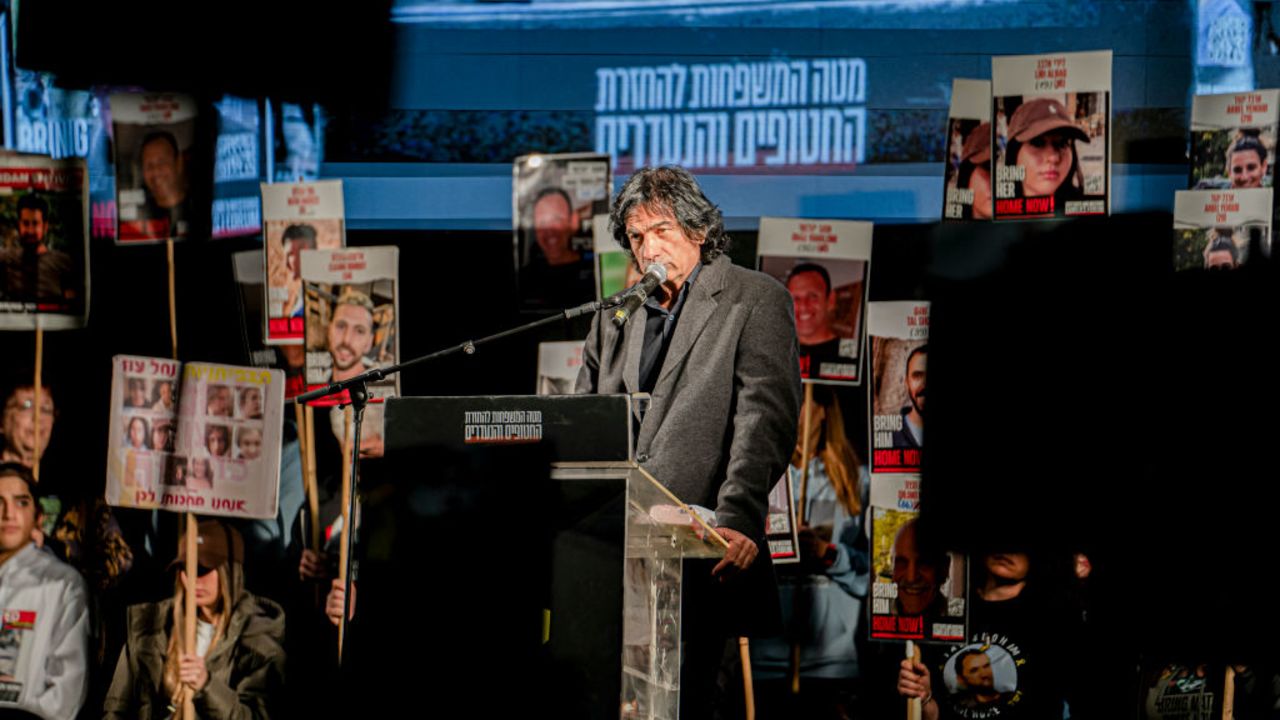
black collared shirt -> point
(659, 326)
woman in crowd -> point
(236, 669)
(822, 596)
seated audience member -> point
(236, 669)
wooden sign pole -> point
(343, 556)
(806, 423)
(37, 400)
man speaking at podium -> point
(715, 346)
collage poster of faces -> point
(297, 217)
(899, 358)
(158, 172)
(44, 274)
(1051, 142)
(554, 199)
(825, 265)
(917, 590)
(352, 316)
(967, 177)
(196, 437)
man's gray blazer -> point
(722, 425)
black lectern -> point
(538, 563)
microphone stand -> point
(358, 396)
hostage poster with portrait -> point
(352, 317)
(967, 176)
(1172, 690)
(297, 217)
(899, 356)
(824, 264)
(1051, 119)
(44, 258)
(558, 367)
(781, 528)
(615, 270)
(553, 202)
(917, 588)
(1233, 140)
(246, 268)
(1221, 229)
(198, 437)
(163, 176)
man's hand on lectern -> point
(741, 553)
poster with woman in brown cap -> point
(1051, 143)
(967, 193)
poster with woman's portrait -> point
(1233, 140)
(824, 264)
(1221, 229)
(1051, 142)
(554, 200)
(967, 174)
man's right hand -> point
(313, 566)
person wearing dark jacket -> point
(237, 667)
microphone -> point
(654, 275)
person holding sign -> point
(823, 596)
(715, 345)
(237, 667)
(1023, 646)
(44, 648)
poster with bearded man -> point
(352, 317)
